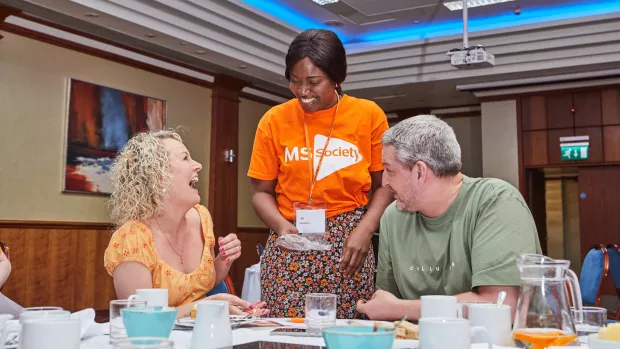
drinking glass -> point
(117, 328)
(320, 311)
(143, 343)
(593, 319)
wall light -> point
(324, 2)
(458, 5)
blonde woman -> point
(164, 237)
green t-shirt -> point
(474, 243)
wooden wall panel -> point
(249, 238)
(610, 100)
(555, 154)
(534, 113)
(596, 143)
(587, 107)
(559, 110)
(535, 148)
(611, 140)
(58, 263)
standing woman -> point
(288, 170)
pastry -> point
(407, 330)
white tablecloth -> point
(182, 339)
(251, 284)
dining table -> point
(182, 338)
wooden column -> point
(223, 174)
(5, 12)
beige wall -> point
(499, 141)
(250, 114)
(33, 91)
(469, 135)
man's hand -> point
(382, 306)
(355, 251)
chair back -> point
(614, 265)
(6, 250)
(614, 269)
(259, 249)
(226, 286)
(594, 271)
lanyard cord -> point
(314, 174)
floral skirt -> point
(286, 277)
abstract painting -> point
(100, 121)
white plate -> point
(188, 322)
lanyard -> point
(314, 174)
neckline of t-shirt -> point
(451, 211)
(161, 261)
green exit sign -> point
(574, 148)
(575, 152)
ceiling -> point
(396, 48)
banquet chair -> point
(259, 249)
(614, 269)
(6, 250)
(226, 286)
(594, 270)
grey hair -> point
(428, 139)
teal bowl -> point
(149, 321)
(354, 337)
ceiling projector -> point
(471, 57)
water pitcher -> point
(543, 316)
(212, 329)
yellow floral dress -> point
(133, 242)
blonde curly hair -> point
(140, 173)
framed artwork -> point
(100, 120)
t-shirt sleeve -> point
(504, 229)
(379, 126)
(130, 243)
(385, 272)
(264, 161)
(207, 225)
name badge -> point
(310, 217)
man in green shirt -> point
(446, 233)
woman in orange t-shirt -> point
(323, 147)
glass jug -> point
(543, 316)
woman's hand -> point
(286, 228)
(355, 250)
(230, 248)
(240, 307)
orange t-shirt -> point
(354, 151)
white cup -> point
(212, 329)
(49, 315)
(44, 314)
(50, 334)
(437, 333)
(445, 307)
(496, 319)
(154, 297)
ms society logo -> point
(338, 155)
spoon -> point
(501, 296)
(375, 326)
(400, 322)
